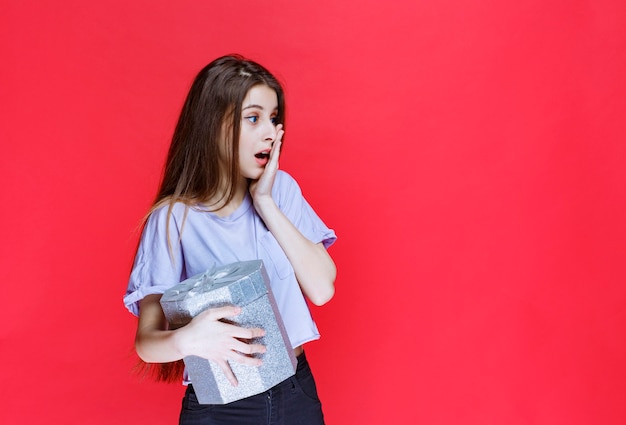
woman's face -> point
(258, 130)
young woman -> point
(223, 199)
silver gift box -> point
(244, 284)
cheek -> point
(240, 158)
(245, 144)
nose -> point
(269, 131)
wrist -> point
(179, 342)
(264, 205)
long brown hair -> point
(195, 170)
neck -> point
(223, 209)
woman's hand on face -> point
(209, 337)
(262, 188)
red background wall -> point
(470, 156)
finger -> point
(279, 133)
(246, 333)
(246, 348)
(244, 360)
(228, 372)
(275, 153)
(222, 312)
(278, 140)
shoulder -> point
(162, 210)
(285, 182)
(162, 214)
(287, 192)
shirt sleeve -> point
(159, 261)
(293, 204)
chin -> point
(253, 176)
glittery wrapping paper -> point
(244, 284)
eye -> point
(274, 120)
(253, 119)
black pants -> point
(292, 402)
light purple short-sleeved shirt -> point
(208, 240)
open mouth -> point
(263, 155)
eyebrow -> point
(256, 106)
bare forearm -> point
(153, 342)
(207, 336)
